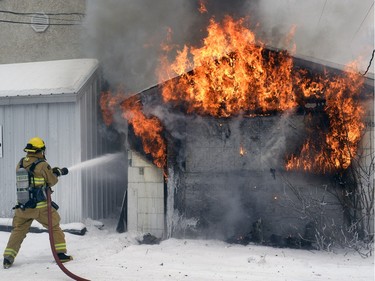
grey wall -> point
(20, 43)
(225, 192)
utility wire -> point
(372, 5)
(55, 19)
(372, 57)
(40, 15)
(49, 14)
(29, 23)
(321, 14)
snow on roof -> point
(46, 77)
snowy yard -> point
(107, 255)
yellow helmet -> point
(35, 144)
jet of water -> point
(96, 161)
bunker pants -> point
(21, 224)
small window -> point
(141, 171)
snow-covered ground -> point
(107, 255)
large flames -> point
(338, 146)
(148, 129)
(234, 74)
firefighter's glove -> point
(60, 171)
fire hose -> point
(52, 240)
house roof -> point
(45, 78)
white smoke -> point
(336, 31)
(126, 35)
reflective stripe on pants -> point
(21, 223)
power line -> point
(49, 14)
(372, 5)
(29, 23)
(372, 57)
(321, 14)
(40, 15)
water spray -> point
(83, 165)
(96, 161)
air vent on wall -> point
(40, 22)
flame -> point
(202, 7)
(107, 104)
(233, 74)
(339, 145)
(242, 151)
(345, 114)
(147, 128)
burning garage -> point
(253, 143)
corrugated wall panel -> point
(83, 138)
(56, 124)
(71, 131)
(65, 134)
(100, 191)
(6, 164)
(88, 189)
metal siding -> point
(6, 168)
(70, 130)
(55, 123)
(86, 202)
(92, 121)
(1, 141)
(90, 191)
(63, 134)
(99, 191)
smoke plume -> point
(126, 35)
(334, 31)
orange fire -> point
(339, 144)
(147, 128)
(232, 74)
(242, 151)
(202, 7)
(108, 104)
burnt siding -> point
(226, 192)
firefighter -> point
(42, 177)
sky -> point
(126, 35)
(103, 254)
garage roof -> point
(45, 78)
